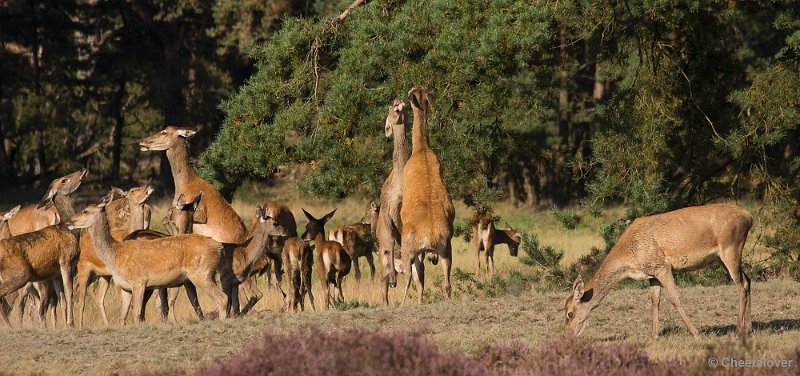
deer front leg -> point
(66, 278)
(125, 305)
(100, 297)
(655, 299)
(137, 293)
(666, 279)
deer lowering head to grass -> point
(427, 212)
(485, 237)
(238, 259)
(358, 240)
(389, 225)
(333, 262)
(126, 215)
(140, 265)
(44, 254)
(653, 247)
(220, 222)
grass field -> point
(477, 316)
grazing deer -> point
(44, 254)
(427, 213)
(214, 218)
(389, 225)
(144, 264)
(126, 215)
(485, 237)
(653, 247)
(238, 259)
(333, 262)
(358, 240)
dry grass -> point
(466, 323)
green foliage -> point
(534, 253)
(515, 284)
(353, 304)
(570, 219)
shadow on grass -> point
(781, 325)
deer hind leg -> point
(250, 285)
(191, 293)
(655, 299)
(307, 286)
(732, 262)
(231, 291)
(490, 260)
(418, 275)
(84, 275)
(666, 280)
(100, 293)
(447, 259)
(214, 292)
(163, 303)
(371, 263)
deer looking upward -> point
(219, 221)
(653, 247)
(44, 254)
(427, 213)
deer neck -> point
(258, 243)
(401, 152)
(501, 237)
(419, 133)
(136, 216)
(102, 240)
(180, 163)
(319, 238)
(64, 206)
(601, 283)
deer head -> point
(90, 215)
(420, 98)
(182, 213)
(272, 227)
(64, 186)
(165, 138)
(513, 246)
(315, 226)
(136, 195)
(371, 216)
(577, 308)
(396, 116)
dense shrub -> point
(569, 219)
(535, 253)
(352, 352)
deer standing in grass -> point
(126, 215)
(358, 240)
(427, 213)
(273, 255)
(44, 254)
(485, 237)
(238, 259)
(389, 225)
(4, 233)
(218, 220)
(653, 247)
(144, 264)
(333, 262)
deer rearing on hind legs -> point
(653, 247)
(427, 213)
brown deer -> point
(427, 213)
(238, 259)
(144, 264)
(653, 247)
(358, 240)
(44, 254)
(485, 237)
(272, 259)
(389, 226)
(333, 262)
(4, 217)
(214, 218)
(126, 215)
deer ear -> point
(106, 199)
(328, 216)
(11, 213)
(200, 213)
(308, 216)
(196, 201)
(185, 132)
(577, 288)
(400, 107)
(181, 201)
(119, 192)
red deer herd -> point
(42, 247)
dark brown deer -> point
(333, 262)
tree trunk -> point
(116, 132)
